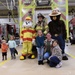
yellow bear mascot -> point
(27, 36)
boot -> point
(2, 58)
(14, 57)
(5, 57)
(39, 62)
(11, 57)
(42, 62)
(64, 58)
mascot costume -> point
(58, 30)
(27, 36)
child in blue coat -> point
(40, 46)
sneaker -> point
(60, 63)
(5, 58)
(14, 57)
(39, 62)
(42, 62)
(64, 57)
(58, 66)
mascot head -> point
(28, 22)
(55, 15)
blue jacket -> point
(40, 41)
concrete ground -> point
(30, 66)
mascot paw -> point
(31, 56)
(22, 57)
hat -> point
(28, 18)
(40, 15)
(55, 13)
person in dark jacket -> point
(58, 30)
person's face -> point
(39, 18)
(4, 41)
(54, 43)
(11, 37)
(48, 36)
(39, 32)
(54, 17)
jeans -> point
(61, 42)
(12, 50)
(40, 52)
(46, 55)
(54, 61)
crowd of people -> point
(50, 41)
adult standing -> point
(58, 30)
(41, 24)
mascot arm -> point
(21, 38)
(33, 41)
(64, 30)
(34, 35)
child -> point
(40, 46)
(4, 48)
(12, 46)
(48, 43)
(56, 57)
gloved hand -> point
(45, 32)
(33, 41)
(21, 41)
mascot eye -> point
(26, 22)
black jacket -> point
(57, 27)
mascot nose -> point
(26, 22)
